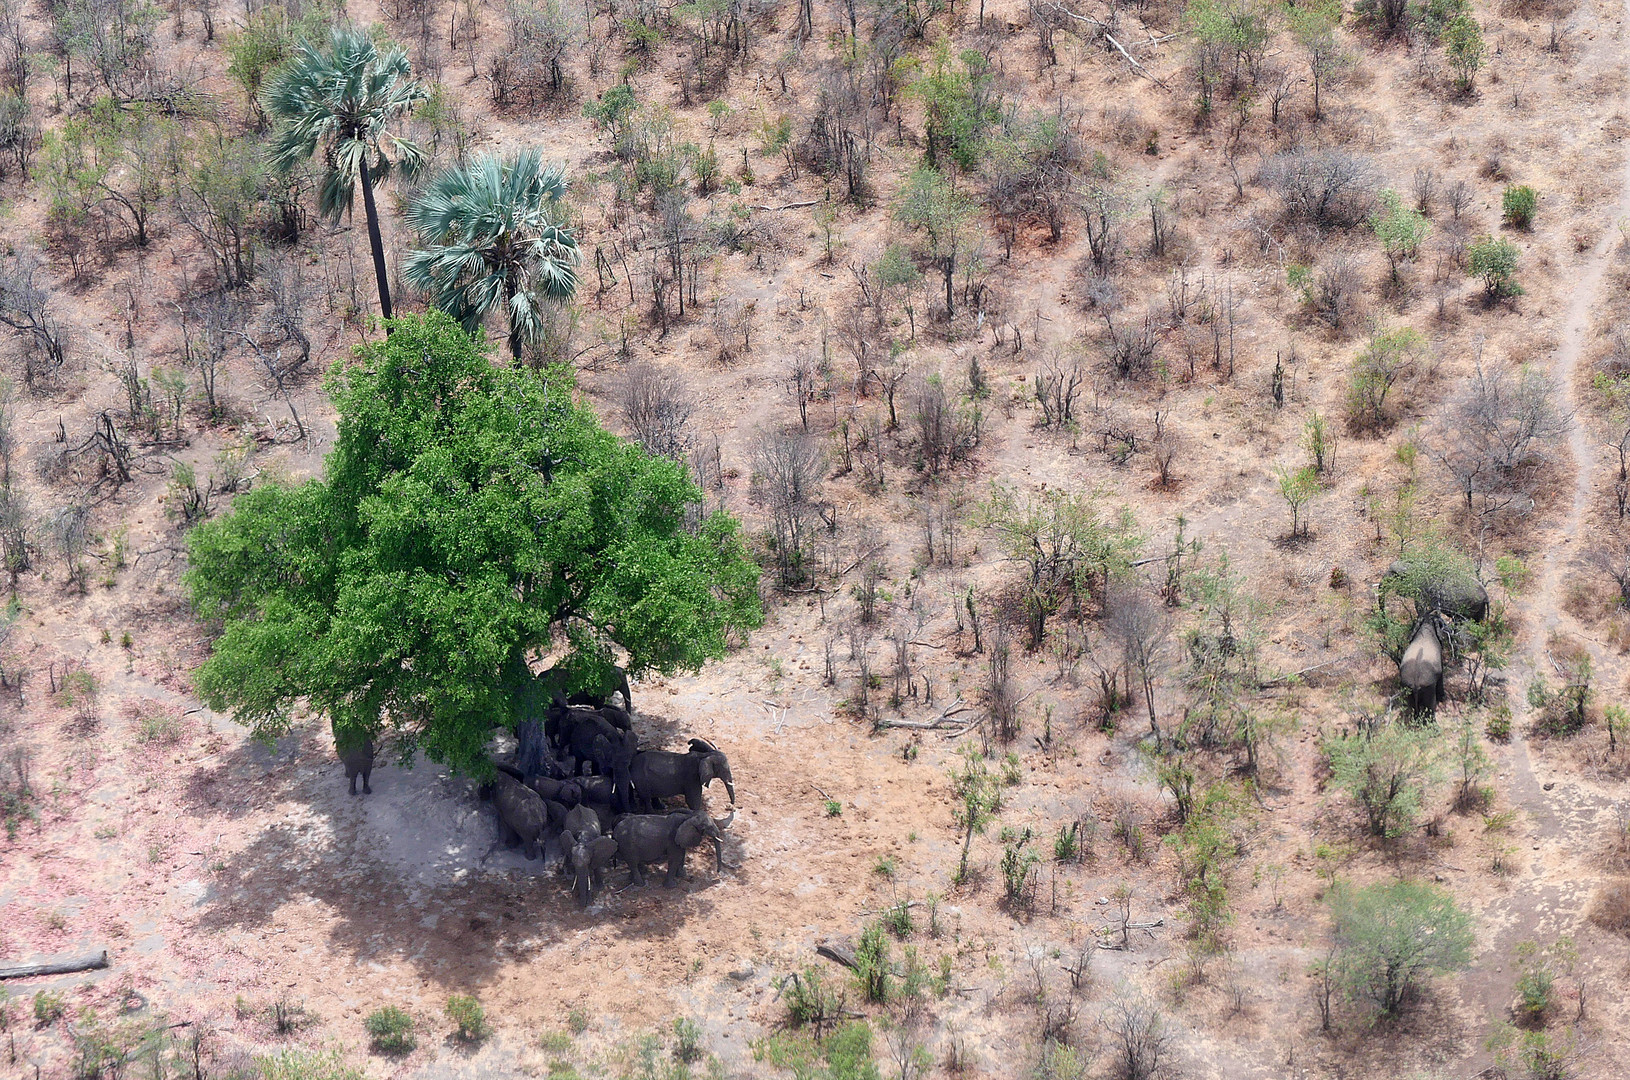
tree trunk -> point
(376, 242)
(950, 275)
(509, 313)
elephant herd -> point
(1441, 602)
(581, 785)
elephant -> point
(1456, 593)
(661, 774)
(522, 816)
(648, 838)
(357, 754)
(569, 792)
(589, 858)
(554, 681)
(611, 752)
(1421, 669)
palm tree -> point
(342, 101)
(493, 232)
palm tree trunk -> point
(376, 242)
(509, 312)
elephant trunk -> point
(731, 789)
(718, 855)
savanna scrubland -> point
(1075, 372)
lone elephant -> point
(356, 752)
(1421, 668)
(643, 839)
(662, 774)
(1455, 592)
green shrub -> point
(466, 1012)
(1018, 870)
(833, 808)
(306, 1065)
(1067, 844)
(1498, 726)
(1518, 204)
(873, 970)
(1495, 261)
(810, 999)
(577, 1021)
(49, 1007)
(687, 1040)
(390, 1030)
(897, 917)
(555, 1042)
(1393, 934)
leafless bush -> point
(1058, 386)
(1131, 345)
(946, 433)
(1496, 432)
(212, 324)
(1459, 196)
(1426, 188)
(1614, 562)
(18, 539)
(70, 534)
(1325, 187)
(1138, 1037)
(657, 406)
(1141, 628)
(532, 67)
(1335, 291)
(28, 307)
(1001, 703)
(287, 297)
(788, 466)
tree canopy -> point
(473, 519)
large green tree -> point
(494, 235)
(473, 519)
(342, 101)
(1392, 935)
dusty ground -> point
(225, 876)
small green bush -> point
(306, 1065)
(1518, 204)
(833, 808)
(873, 970)
(556, 1042)
(1498, 726)
(687, 1040)
(466, 1012)
(49, 1007)
(577, 1021)
(897, 917)
(1495, 261)
(390, 1030)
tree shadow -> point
(413, 873)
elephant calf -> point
(649, 838)
(589, 858)
(1421, 669)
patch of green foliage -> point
(473, 517)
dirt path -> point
(1554, 812)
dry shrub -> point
(1611, 911)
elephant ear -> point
(690, 833)
(603, 851)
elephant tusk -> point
(724, 822)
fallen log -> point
(789, 206)
(89, 962)
(837, 954)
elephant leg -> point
(529, 848)
(353, 783)
(636, 872)
(366, 789)
(507, 835)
